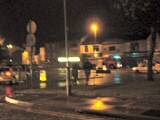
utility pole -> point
(68, 87)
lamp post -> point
(68, 87)
(10, 47)
(94, 28)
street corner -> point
(111, 107)
(17, 102)
(121, 112)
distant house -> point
(132, 50)
(91, 49)
(125, 47)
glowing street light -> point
(9, 46)
(94, 28)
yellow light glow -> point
(1, 78)
(43, 54)
(25, 57)
(94, 27)
(8, 74)
(104, 67)
(43, 76)
(90, 49)
(82, 49)
(9, 46)
(98, 104)
(95, 54)
(36, 59)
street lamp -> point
(9, 46)
(94, 28)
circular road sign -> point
(31, 27)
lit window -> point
(96, 48)
(86, 48)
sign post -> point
(30, 41)
(68, 86)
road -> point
(56, 77)
(10, 112)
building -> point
(91, 50)
(131, 52)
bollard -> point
(43, 76)
(43, 85)
(9, 90)
(43, 79)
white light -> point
(70, 59)
(119, 65)
(134, 68)
(62, 59)
(74, 59)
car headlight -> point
(119, 65)
(134, 68)
(104, 68)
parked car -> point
(102, 69)
(112, 63)
(142, 68)
(7, 75)
(13, 74)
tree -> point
(146, 13)
(4, 53)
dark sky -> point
(48, 14)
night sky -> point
(48, 14)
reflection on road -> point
(43, 85)
(117, 78)
(105, 78)
(56, 78)
(100, 103)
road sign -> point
(31, 27)
(30, 39)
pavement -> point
(136, 100)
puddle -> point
(117, 78)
